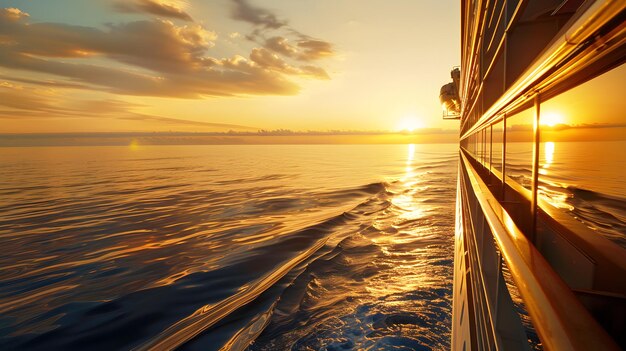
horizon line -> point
(259, 132)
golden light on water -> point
(557, 198)
(548, 155)
(405, 260)
(404, 201)
(411, 154)
(134, 144)
(408, 176)
(549, 150)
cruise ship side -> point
(529, 274)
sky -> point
(205, 66)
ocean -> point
(259, 247)
(106, 247)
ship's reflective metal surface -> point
(532, 271)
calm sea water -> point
(292, 247)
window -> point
(496, 146)
(519, 148)
(583, 153)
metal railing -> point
(489, 238)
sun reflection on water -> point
(551, 192)
(411, 155)
(403, 223)
(404, 202)
(409, 163)
(548, 149)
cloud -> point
(15, 97)
(306, 49)
(314, 72)
(267, 59)
(24, 102)
(44, 67)
(178, 121)
(158, 45)
(281, 45)
(154, 58)
(313, 49)
(170, 9)
(243, 11)
(46, 103)
(12, 14)
(45, 82)
(234, 76)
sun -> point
(551, 119)
(409, 124)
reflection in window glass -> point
(519, 147)
(496, 146)
(583, 153)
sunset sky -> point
(156, 65)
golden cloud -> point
(306, 49)
(171, 9)
(33, 103)
(244, 11)
(159, 58)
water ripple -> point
(209, 247)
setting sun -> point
(551, 119)
(409, 124)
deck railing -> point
(490, 240)
(515, 57)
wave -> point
(133, 258)
(275, 257)
(601, 212)
(307, 242)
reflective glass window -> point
(496, 146)
(487, 152)
(582, 160)
(519, 147)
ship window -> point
(496, 146)
(582, 153)
(519, 148)
(480, 146)
(485, 155)
(487, 152)
(473, 145)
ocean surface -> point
(274, 247)
(584, 179)
(303, 247)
